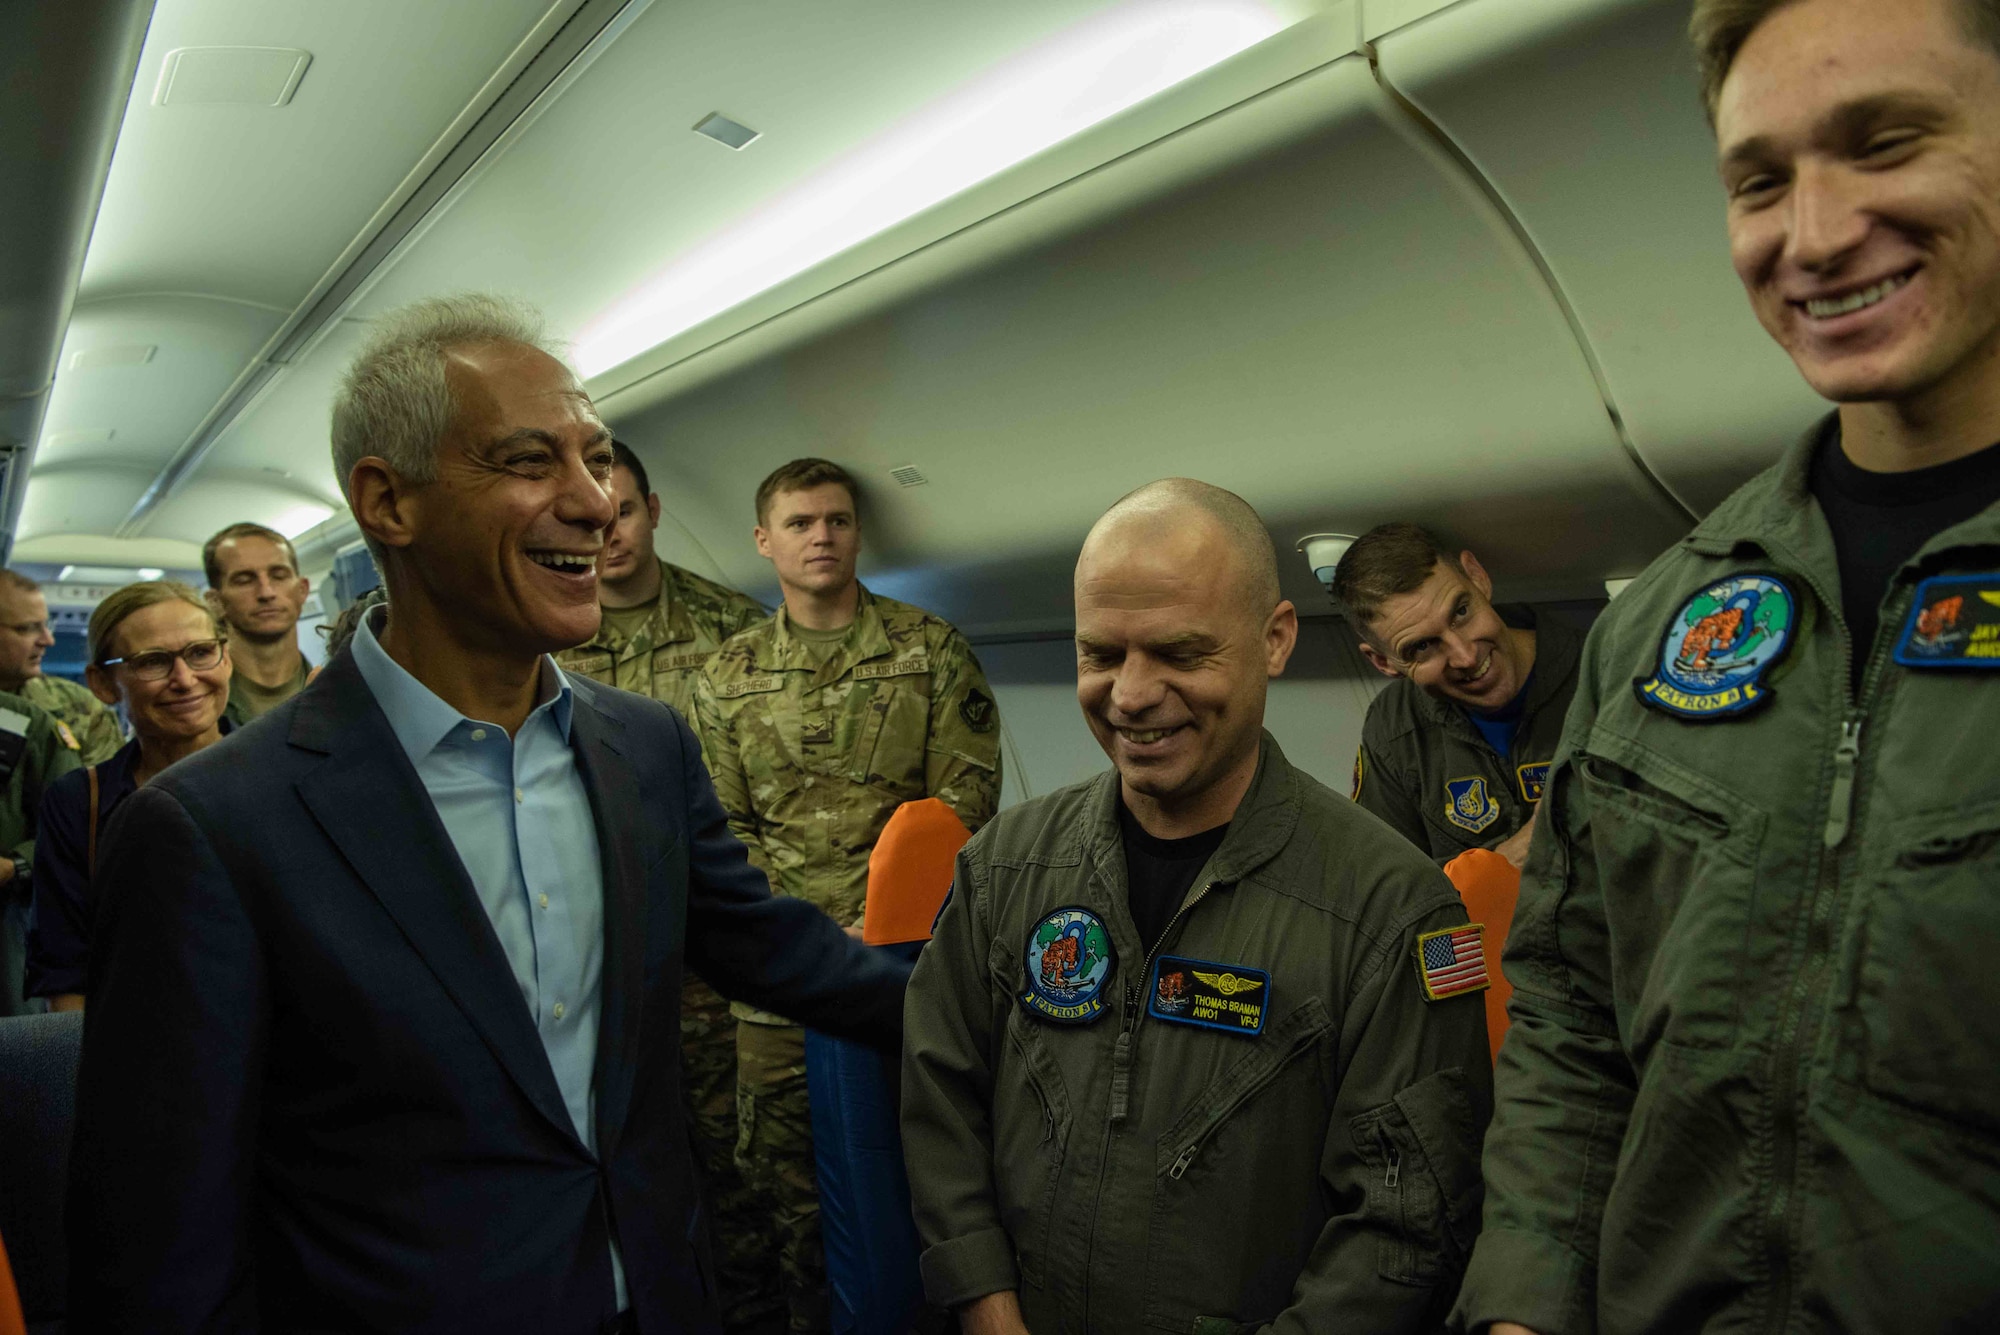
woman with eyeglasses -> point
(157, 648)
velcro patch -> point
(900, 667)
(1231, 997)
(1954, 622)
(750, 686)
(977, 710)
(1452, 961)
(1532, 779)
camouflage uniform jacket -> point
(93, 727)
(811, 760)
(1145, 1170)
(1426, 770)
(1753, 1079)
(690, 620)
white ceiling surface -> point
(1586, 117)
(217, 221)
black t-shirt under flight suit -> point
(1426, 770)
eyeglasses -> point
(200, 656)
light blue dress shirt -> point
(520, 819)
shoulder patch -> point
(750, 686)
(67, 737)
(977, 710)
(1469, 804)
(1954, 622)
(895, 667)
(1532, 779)
(1452, 961)
(1069, 960)
(1360, 772)
(1718, 646)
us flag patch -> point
(1453, 961)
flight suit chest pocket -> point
(1237, 1197)
(1030, 1138)
(1676, 870)
(1928, 993)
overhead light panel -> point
(302, 517)
(122, 354)
(239, 76)
(1005, 116)
(724, 131)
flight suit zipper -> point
(1794, 1022)
(1121, 1052)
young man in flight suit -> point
(1454, 755)
(1754, 1075)
(660, 625)
(1197, 1045)
(817, 724)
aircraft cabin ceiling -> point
(1459, 262)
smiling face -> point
(1860, 151)
(813, 538)
(501, 548)
(184, 704)
(1173, 662)
(1446, 638)
(24, 635)
(260, 594)
(628, 545)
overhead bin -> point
(1585, 116)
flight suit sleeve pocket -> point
(1421, 1152)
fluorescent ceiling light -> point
(299, 518)
(150, 572)
(1005, 116)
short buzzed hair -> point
(211, 558)
(1387, 562)
(18, 582)
(1237, 518)
(395, 401)
(625, 459)
(804, 475)
(1719, 28)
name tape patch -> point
(902, 667)
(1453, 961)
(1069, 961)
(1718, 647)
(1231, 997)
(1953, 623)
(750, 686)
(1532, 779)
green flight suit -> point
(1139, 1170)
(44, 757)
(688, 621)
(1424, 768)
(92, 724)
(812, 747)
(1753, 1077)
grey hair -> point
(394, 402)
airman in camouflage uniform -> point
(87, 724)
(814, 738)
(33, 754)
(82, 723)
(683, 624)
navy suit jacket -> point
(312, 1097)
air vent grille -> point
(908, 475)
(724, 131)
(240, 76)
(121, 354)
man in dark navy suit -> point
(385, 1006)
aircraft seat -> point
(873, 1287)
(1489, 885)
(38, 1062)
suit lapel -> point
(369, 801)
(613, 785)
